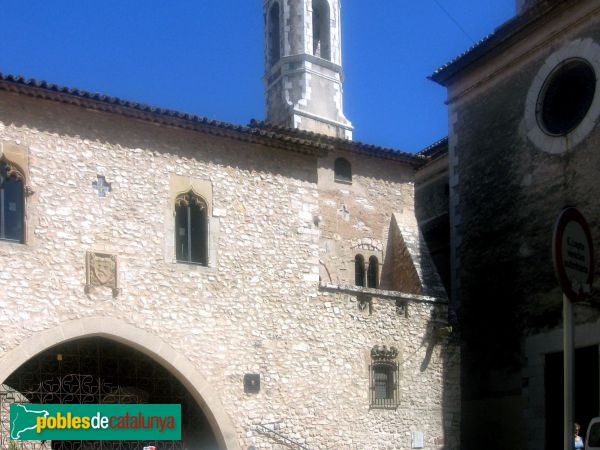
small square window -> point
(342, 171)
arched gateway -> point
(104, 360)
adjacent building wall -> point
(508, 183)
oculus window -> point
(566, 97)
(12, 203)
(191, 229)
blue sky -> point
(206, 57)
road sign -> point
(573, 254)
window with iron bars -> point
(384, 378)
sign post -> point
(573, 255)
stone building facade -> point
(523, 136)
(220, 264)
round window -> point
(566, 97)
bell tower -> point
(303, 66)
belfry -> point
(303, 62)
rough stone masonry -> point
(258, 307)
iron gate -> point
(92, 371)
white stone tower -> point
(303, 61)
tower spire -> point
(303, 71)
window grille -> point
(12, 203)
(191, 229)
(384, 378)
(342, 170)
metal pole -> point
(568, 352)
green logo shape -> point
(95, 422)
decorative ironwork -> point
(384, 377)
(101, 271)
(92, 371)
(76, 389)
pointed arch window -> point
(373, 272)
(359, 270)
(321, 26)
(191, 229)
(12, 202)
(274, 34)
(342, 170)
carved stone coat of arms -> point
(101, 271)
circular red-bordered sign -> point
(573, 254)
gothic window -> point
(321, 25)
(359, 270)
(12, 202)
(274, 36)
(373, 272)
(384, 375)
(342, 170)
(191, 229)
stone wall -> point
(258, 306)
(355, 218)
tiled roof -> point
(438, 148)
(257, 132)
(492, 41)
(344, 144)
(72, 96)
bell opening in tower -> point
(274, 36)
(321, 25)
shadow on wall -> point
(408, 268)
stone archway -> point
(151, 345)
